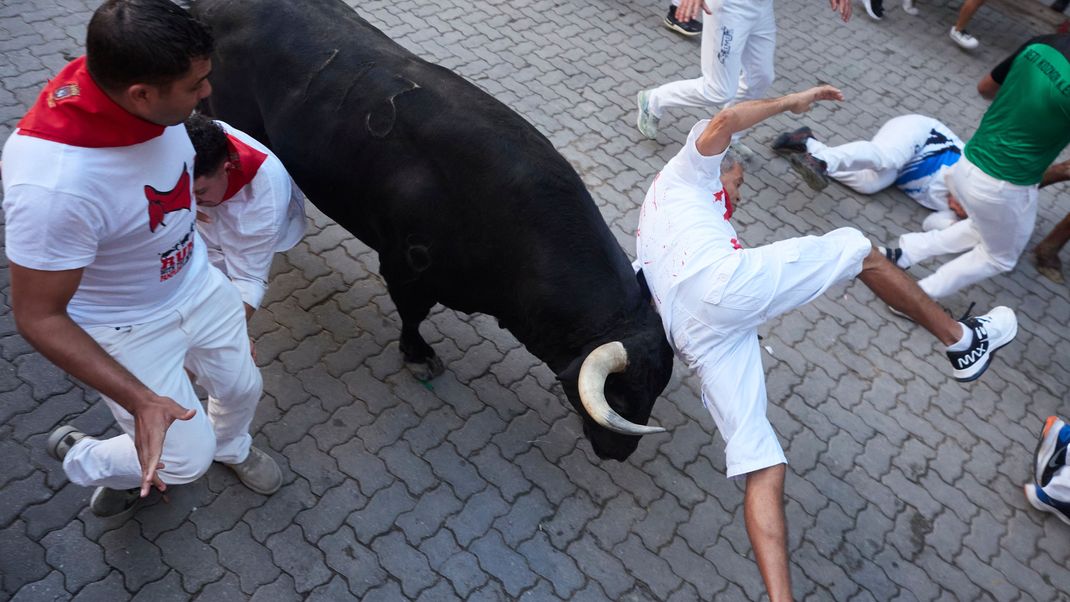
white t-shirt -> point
(266, 216)
(684, 227)
(113, 212)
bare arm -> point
(39, 301)
(1057, 172)
(718, 133)
(763, 512)
(988, 87)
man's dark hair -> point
(143, 42)
(209, 142)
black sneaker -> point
(790, 143)
(108, 503)
(990, 332)
(685, 28)
(813, 171)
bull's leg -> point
(420, 358)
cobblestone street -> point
(902, 484)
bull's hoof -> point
(427, 369)
(1049, 266)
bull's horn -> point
(608, 358)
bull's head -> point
(615, 385)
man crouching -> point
(712, 295)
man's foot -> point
(1045, 503)
(812, 170)
(109, 503)
(646, 122)
(989, 332)
(259, 472)
(685, 28)
(874, 8)
(895, 255)
(1051, 450)
(1048, 264)
(938, 220)
(62, 439)
(964, 39)
(789, 143)
(908, 8)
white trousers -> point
(208, 334)
(869, 166)
(738, 41)
(1001, 219)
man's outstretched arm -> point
(39, 302)
(718, 133)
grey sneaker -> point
(646, 122)
(259, 472)
(108, 503)
(812, 170)
(62, 439)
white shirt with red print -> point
(89, 185)
(263, 212)
(684, 229)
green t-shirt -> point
(1028, 124)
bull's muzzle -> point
(599, 364)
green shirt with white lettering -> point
(1028, 124)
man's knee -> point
(248, 386)
(194, 460)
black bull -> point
(467, 204)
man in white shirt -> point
(912, 152)
(109, 278)
(249, 207)
(712, 294)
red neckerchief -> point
(722, 195)
(246, 160)
(73, 110)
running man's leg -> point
(758, 54)
(1046, 253)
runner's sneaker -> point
(109, 503)
(964, 39)
(812, 170)
(1045, 503)
(895, 255)
(685, 28)
(1051, 450)
(62, 439)
(874, 8)
(790, 143)
(908, 8)
(259, 472)
(646, 121)
(990, 332)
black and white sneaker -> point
(874, 8)
(789, 143)
(685, 28)
(812, 170)
(990, 332)
(894, 255)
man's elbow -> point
(987, 87)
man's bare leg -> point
(966, 13)
(901, 292)
(1046, 253)
(763, 512)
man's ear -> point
(139, 93)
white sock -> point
(964, 342)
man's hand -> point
(800, 102)
(152, 417)
(688, 10)
(843, 7)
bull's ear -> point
(644, 289)
(570, 376)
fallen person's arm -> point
(718, 133)
(1057, 172)
(39, 301)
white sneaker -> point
(874, 8)
(990, 332)
(964, 39)
(908, 8)
(938, 220)
(646, 121)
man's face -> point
(210, 189)
(732, 181)
(171, 104)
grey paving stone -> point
(407, 564)
(79, 560)
(477, 516)
(226, 588)
(279, 590)
(109, 588)
(279, 510)
(49, 588)
(195, 560)
(319, 469)
(503, 563)
(430, 514)
(381, 512)
(136, 558)
(168, 589)
(331, 510)
(240, 554)
(298, 558)
(21, 559)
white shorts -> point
(715, 331)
